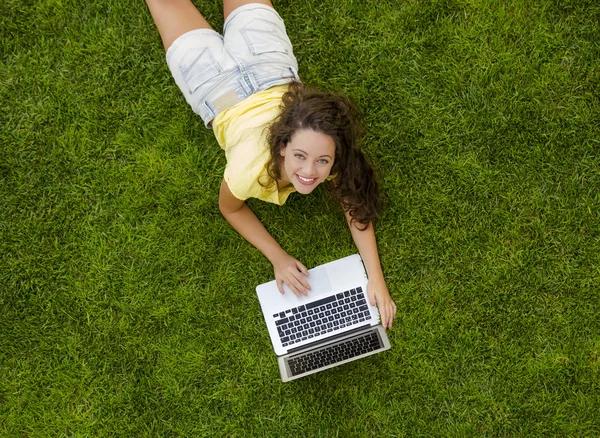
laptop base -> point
(344, 349)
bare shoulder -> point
(228, 203)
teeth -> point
(306, 179)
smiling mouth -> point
(306, 181)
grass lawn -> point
(127, 304)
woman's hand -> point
(290, 271)
(379, 295)
(287, 269)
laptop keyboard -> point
(335, 353)
(322, 316)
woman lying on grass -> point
(278, 135)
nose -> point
(309, 169)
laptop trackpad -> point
(319, 283)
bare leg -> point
(173, 18)
(230, 5)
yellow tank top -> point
(241, 132)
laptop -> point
(333, 325)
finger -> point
(385, 319)
(392, 314)
(293, 285)
(299, 282)
(385, 316)
(305, 285)
(296, 279)
(280, 286)
(371, 296)
(302, 268)
(280, 283)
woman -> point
(278, 135)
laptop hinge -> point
(328, 340)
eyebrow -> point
(300, 150)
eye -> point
(324, 161)
(299, 156)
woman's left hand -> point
(379, 295)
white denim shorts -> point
(215, 72)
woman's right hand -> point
(290, 271)
(287, 269)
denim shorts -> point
(215, 71)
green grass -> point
(127, 304)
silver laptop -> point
(333, 325)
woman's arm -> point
(376, 288)
(287, 269)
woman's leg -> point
(230, 5)
(173, 18)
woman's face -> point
(307, 160)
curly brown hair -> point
(354, 182)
